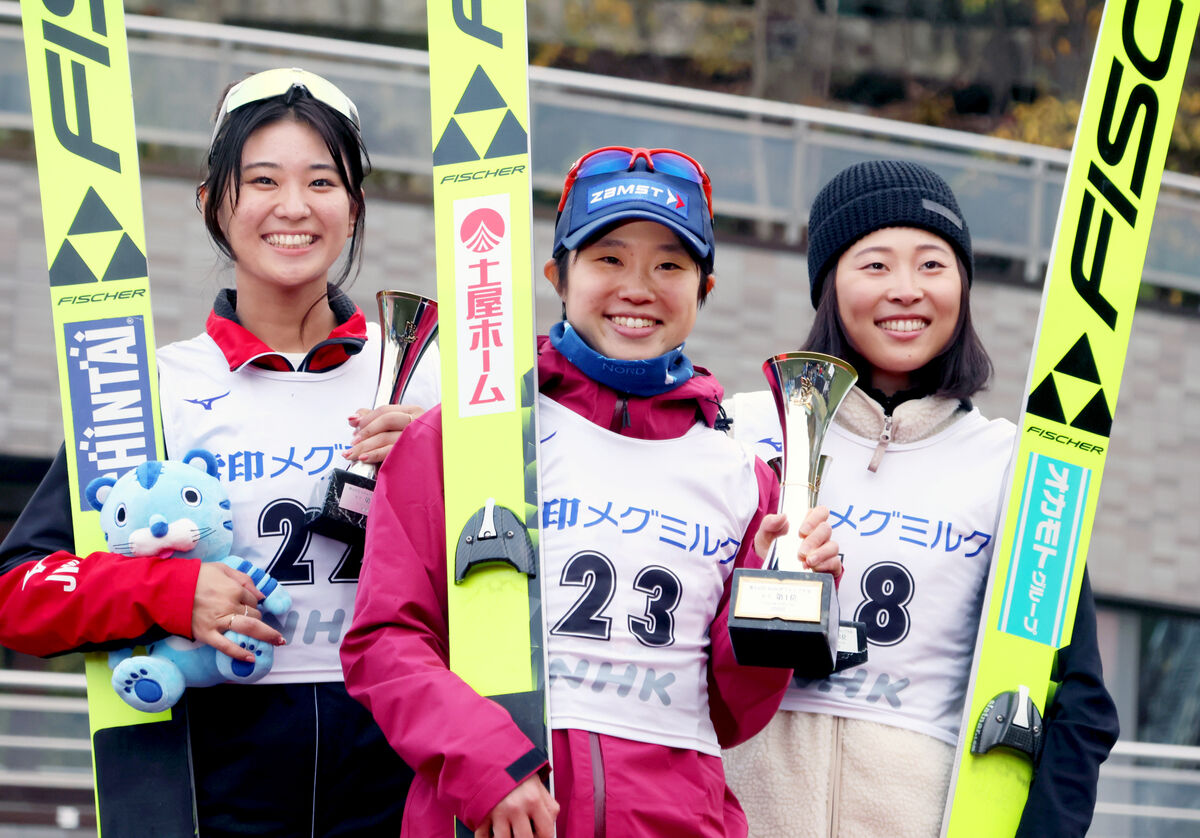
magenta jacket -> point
(464, 748)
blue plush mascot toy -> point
(178, 508)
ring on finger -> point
(230, 627)
(245, 610)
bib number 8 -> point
(888, 588)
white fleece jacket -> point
(810, 775)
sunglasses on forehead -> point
(663, 161)
(279, 82)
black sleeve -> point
(1081, 728)
(44, 525)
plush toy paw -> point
(148, 684)
(244, 672)
(278, 602)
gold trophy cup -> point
(786, 615)
(409, 324)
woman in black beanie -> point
(914, 488)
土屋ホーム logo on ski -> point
(484, 305)
(482, 230)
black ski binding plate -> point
(1010, 720)
(494, 534)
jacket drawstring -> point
(722, 422)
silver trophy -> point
(409, 324)
(786, 615)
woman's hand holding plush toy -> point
(227, 599)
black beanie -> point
(869, 196)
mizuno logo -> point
(207, 403)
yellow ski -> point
(82, 105)
(482, 218)
(1083, 333)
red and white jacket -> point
(466, 749)
(55, 601)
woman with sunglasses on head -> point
(914, 486)
(646, 511)
(267, 387)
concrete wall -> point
(1147, 535)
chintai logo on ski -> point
(634, 189)
(1044, 550)
(484, 305)
(111, 408)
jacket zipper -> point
(885, 436)
(599, 826)
(835, 775)
(620, 417)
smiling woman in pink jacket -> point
(645, 692)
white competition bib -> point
(639, 538)
(275, 434)
(917, 540)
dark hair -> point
(225, 161)
(960, 371)
(563, 258)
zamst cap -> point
(876, 194)
(592, 202)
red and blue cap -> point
(615, 184)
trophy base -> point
(342, 502)
(785, 619)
